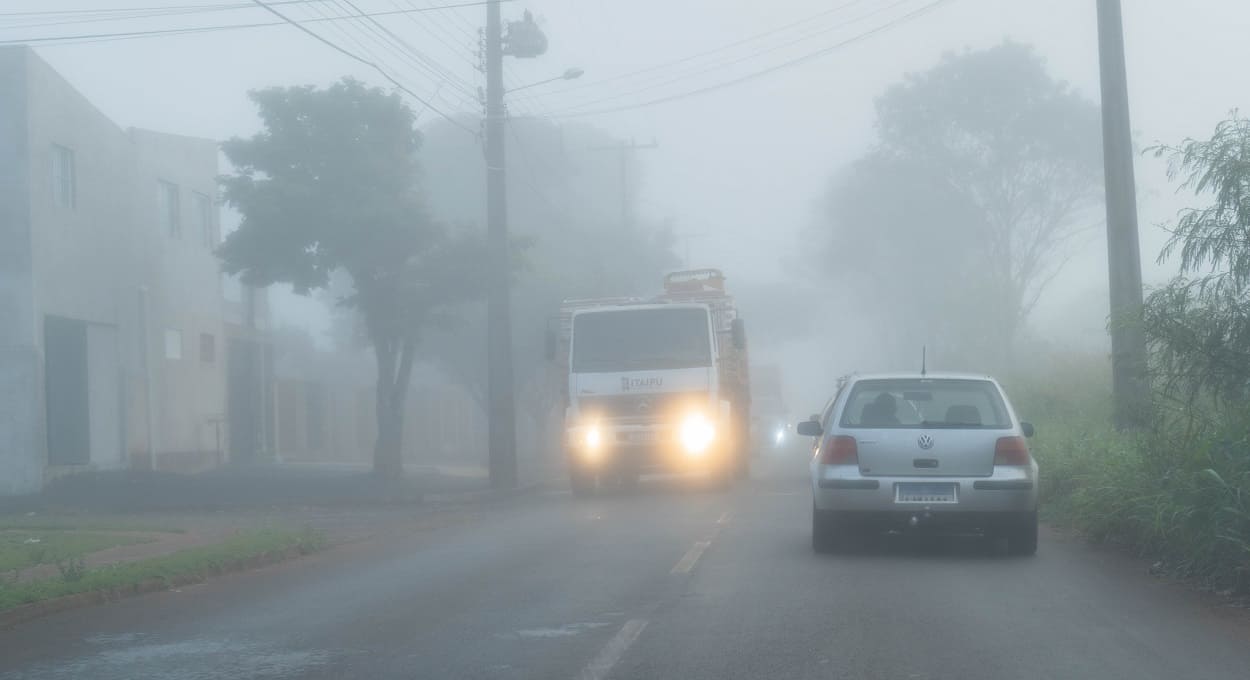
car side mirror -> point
(550, 345)
(739, 331)
(809, 428)
(1027, 428)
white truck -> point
(654, 384)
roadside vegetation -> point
(1179, 491)
(23, 548)
(244, 549)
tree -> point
(983, 167)
(331, 185)
(1198, 325)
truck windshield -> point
(641, 339)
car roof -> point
(917, 375)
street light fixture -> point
(570, 74)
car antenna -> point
(924, 360)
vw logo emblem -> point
(925, 442)
(644, 407)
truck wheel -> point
(582, 483)
(744, 466)
(627, 480)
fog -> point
(739, 175)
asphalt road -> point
(666, 582)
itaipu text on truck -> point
(654, 384)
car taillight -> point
(1011, 451)
(839, 450)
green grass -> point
(189, 565)
(20, 549)
(34, 522)
(1178, 493)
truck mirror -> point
(739, 330)
(550, 345)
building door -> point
(104, 396)
(65, 376)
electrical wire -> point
(709, 52)
(126, 35)
(396, 44)
(368, 63)
(762, 72)
(737, 60)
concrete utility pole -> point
(624, 149)
(501, 409)
(1128, 342)
(524, 40)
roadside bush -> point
(1178, 493)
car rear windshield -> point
(925, 403)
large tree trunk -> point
(388, 459)
(394, 373)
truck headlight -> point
(696, 433)
(593, 438)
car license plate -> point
(906, 492)
(642, 437)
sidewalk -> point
(234, 487)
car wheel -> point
(1022, 539)
(828, 535)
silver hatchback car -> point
(944, 452)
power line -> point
(740, 59)
(366, 62)
(398, 45)
(762, 72)
(125, 35)
(714, 50)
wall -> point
(21, 458)
(86, 257)
(189, 392)
(107, 262)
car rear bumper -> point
(936, 522)
(842, 488)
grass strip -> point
(245, 548)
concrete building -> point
(113, 327)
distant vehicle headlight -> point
(779, 436)
(697, 433)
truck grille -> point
(644, 406)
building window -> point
(63, 185)
(208, 348)
(170, 210)
(173, 344)
(205, 225)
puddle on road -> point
(187, 660)
(567, 630)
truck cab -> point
(647, 390)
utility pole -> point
(1128, 342)
(501, 409)
(624, 150)
(523, 40)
